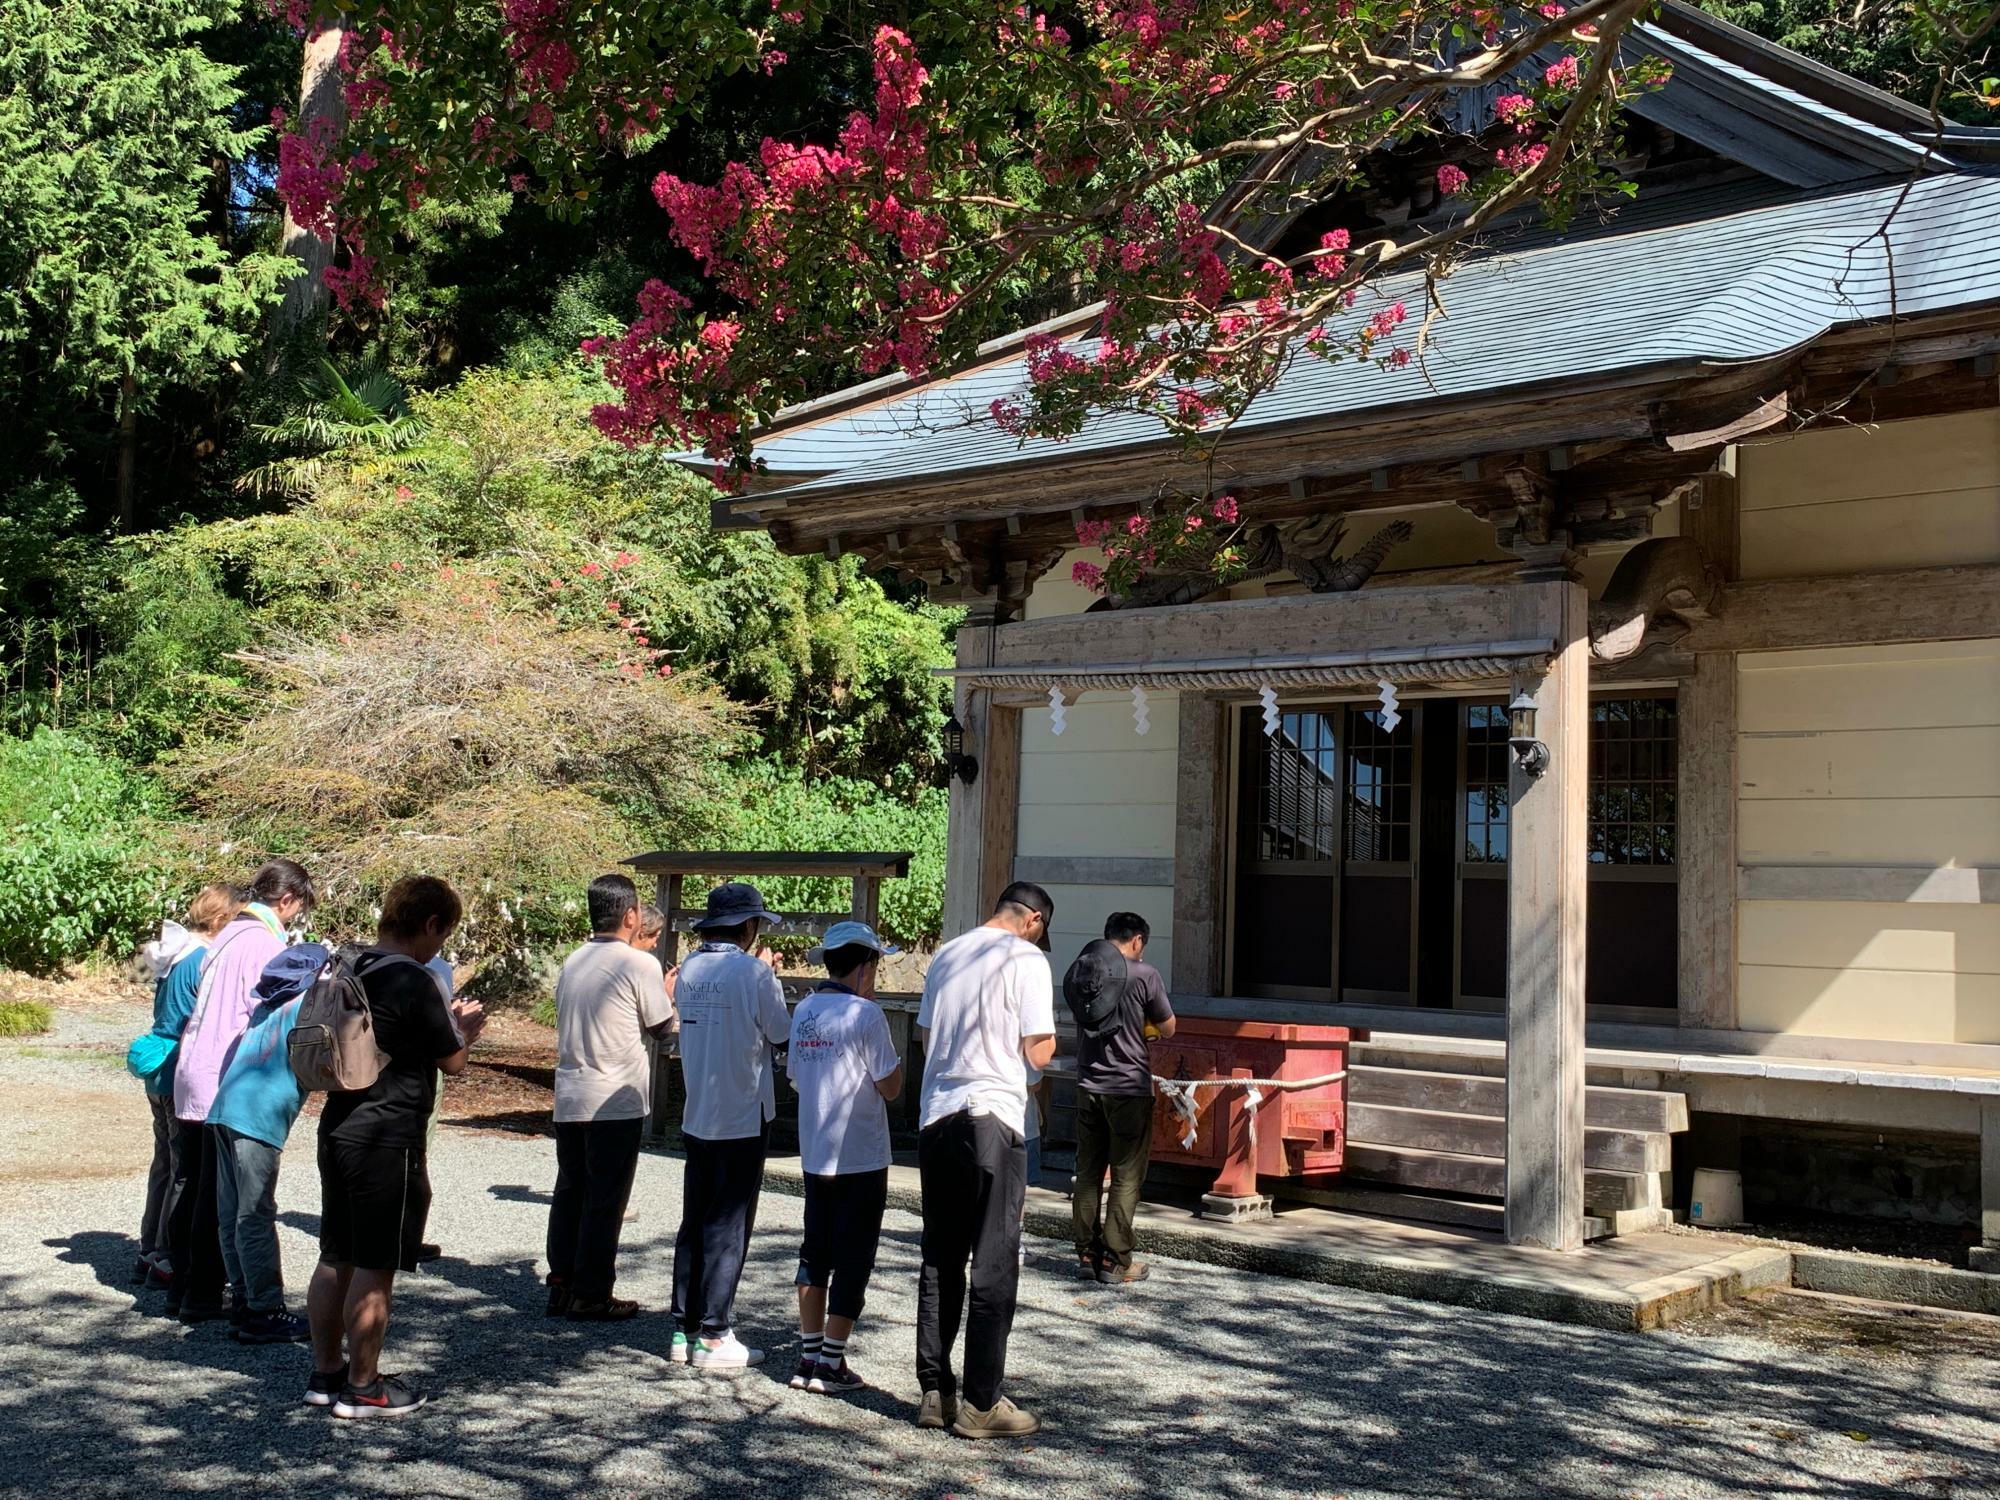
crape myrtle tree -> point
(1128, 147)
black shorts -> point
(373, 1204)
(843, 1225)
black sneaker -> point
(835, 1380)
(609, 1310)
(560, 1298)
(427, 1251)
(389, 1396)
(804, 1373)
(201, 1312)
(322, 1389)
(142, 1272)
(279, 1327)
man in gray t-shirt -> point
(1114, 1111)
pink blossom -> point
(1561, 74)
(1451, 179)
(1514, 109)
(590, 570)
(1193, 522)
(1088, 574)
(1224, 509)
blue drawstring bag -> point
(148, 1054)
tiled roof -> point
(1736, 286)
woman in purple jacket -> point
(280, 893)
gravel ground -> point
(1197, 1381)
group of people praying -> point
(224, 1096)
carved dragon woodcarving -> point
(1665, 576)
(1304, 548)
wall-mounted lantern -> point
(956, 761)
(1530, 754)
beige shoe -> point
(937, 1410)
(1002, 1420)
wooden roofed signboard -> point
(672, 869)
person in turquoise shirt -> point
(175, 960)
(255, 1105)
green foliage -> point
(25, 1018)
(784, 810)
(113, 117)
(82, 868)
(1903, 49)
(512, 483)
(332, 417)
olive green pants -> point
(1114, 1130)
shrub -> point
(83, 869)
(25, 1018)
(515, 757)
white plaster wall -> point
(1877, 755)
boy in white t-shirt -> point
(845, 1068)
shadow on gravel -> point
(520, 1192)
(108, 1255)
(1198, 1382)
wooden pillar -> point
(1201, 802)
(1989, 1179)
(979, 857)
(867, 903)
(1706, 855)
(1546, 890)
(1706, 836)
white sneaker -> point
(726, 1353)
(681, 1350)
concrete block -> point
(1882, 1279)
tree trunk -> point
(128, 444)
(320, 98)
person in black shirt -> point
(1114, 1111)
(374, 1185)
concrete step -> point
(1486, 1135)
(1473, 1094)
(1420, 1208)
(1605, 1192)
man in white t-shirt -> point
(609, 998)
(845, 1068)
(732, 1013)
(988, 1015)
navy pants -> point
(718, 1213)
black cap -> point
(1096, 981)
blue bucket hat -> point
(290, 974)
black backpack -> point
(1095, 988)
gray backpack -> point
(332, 1045)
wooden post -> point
(1201, 800)
(1546, 890)
(1706, 853)
(1989, 1178)
(867, 904)
(1706, 834)
(979, 858)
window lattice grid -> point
(1634, 778)
(1486, 758)
(1381, 770)
(1299, 805)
